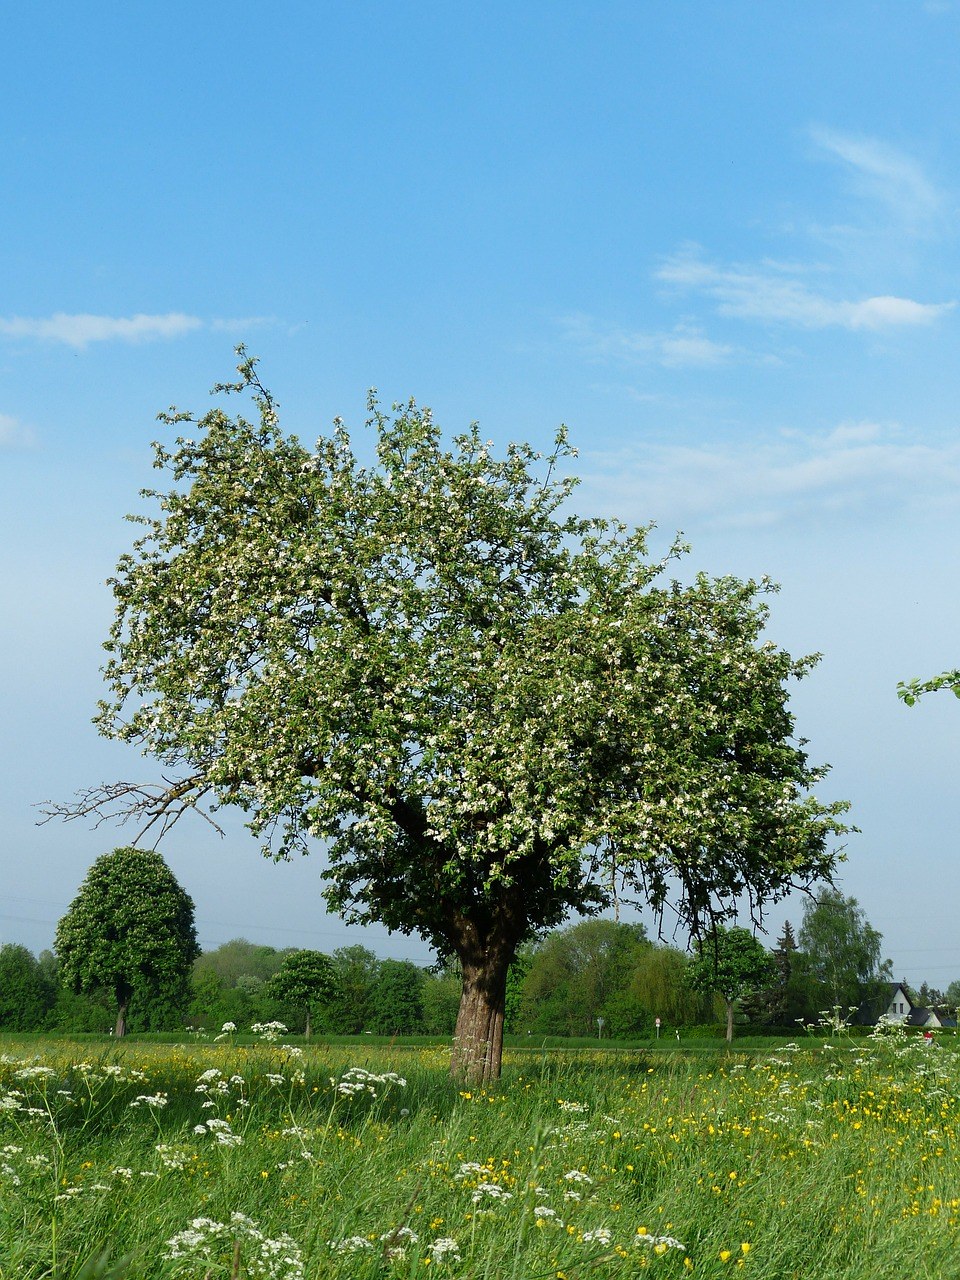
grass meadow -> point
(265, 1160)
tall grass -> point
(264, 1160)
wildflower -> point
(270, 1031)
(445, 1248)
(150, 1100)
(491, 1191)
(208, 1242)
(34, 1073)
(600, 1235)
(352, 1244)
(659, 1244)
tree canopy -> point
(305, 980)
(129, 929)
(730, 961)
(27, 994)
(840, 955)
(492, 711)
(578, 975)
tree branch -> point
(150, 803)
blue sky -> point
(718, 241)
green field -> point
(359, 1160)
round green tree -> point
(306, 980)
(489, 711)
(730, 961)
(130, 930)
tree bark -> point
(729, 1021)
(123, 1004)
(307, 1029)
(478, 1038)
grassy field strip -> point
(268, 1160)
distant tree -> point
(840, 953)
(516, 979)
(781, 1001)
(659, 989)
(237, 957)
(49, 967)
(730, 961)
(396, 1003)
(94, 1010)
(356, 970)
(441, 998)
(490, 709)
(306, 981)
(576, 975)
(929, 997)
(26, 994)
(952, 995)
(129, 929)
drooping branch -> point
(151, 804)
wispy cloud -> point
(677, 348)
(881, 172)
(14, 434)
(857, 470)
(82, 329)
(778, 292)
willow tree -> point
(488, 711)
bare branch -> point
(153, 804)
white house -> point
(900, 1008)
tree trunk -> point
(478, 1038)
(123, 1004)
(307, 1029)
(729, 1021)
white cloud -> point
(82, 329)
(13, 433)
(240, 323)
(858, 469)
(776, 292)
(880, 172)
(681, 347)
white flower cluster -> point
(34, 1073)
(659, 1244)
(270, 1031)
(350, 1244)
(220, 1130)
(485, 1191)
(207, 1241)
(158, 1100)
(444, 1249)
(173, 1156)
(357, 1080)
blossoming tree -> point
(490, 711)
